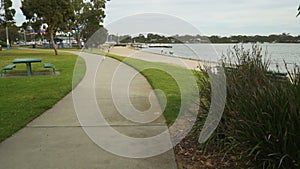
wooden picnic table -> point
(28, 62)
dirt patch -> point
(189, 155)
(15, 74)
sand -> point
(152, 57)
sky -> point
(210, 17)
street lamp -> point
(7, 39)
(69, 34)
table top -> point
(27, 60)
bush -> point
(3, 44)
(261, 120)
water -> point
(277, 52)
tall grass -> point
(261, 120)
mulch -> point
(189, 155)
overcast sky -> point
(212, 17)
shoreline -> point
(154, 57)
(181, 57)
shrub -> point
(261, 120)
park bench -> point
(50, 65)
(8, 67)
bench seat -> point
(8, 67)
(50, 65)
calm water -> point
(213, 52)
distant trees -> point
(282, 38)
(155, 38)
(150, 38)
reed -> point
(261, 121)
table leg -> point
(28, 65)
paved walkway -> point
(58, 140)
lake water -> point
(276, 52)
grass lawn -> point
(25, 98)
(160, 78)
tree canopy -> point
(55, 13)
(8, 16)
(81, 17)
(88, 18)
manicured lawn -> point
(22, 99)
(25, 98)
(160, 78)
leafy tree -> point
(9, 13)
(76, 22)
(6, 17)
(89, 16)
(14, 35)
(55, 13)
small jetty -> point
(160, 46)
(144, 45)
(139, 45)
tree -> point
(6, 17)
(55, 13)
(76, 22)
(14, 35)
(89, 16)
(9, 13)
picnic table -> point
(28, 62)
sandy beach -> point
(152, 57)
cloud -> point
(151, 23)
(212, 16)
(19, 17)
(225, 17)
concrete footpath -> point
(58, 140)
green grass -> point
(25, 98)
(161, 76)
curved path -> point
(58, 140)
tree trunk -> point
(52, 41)
(78, 40)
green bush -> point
(261, 120)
